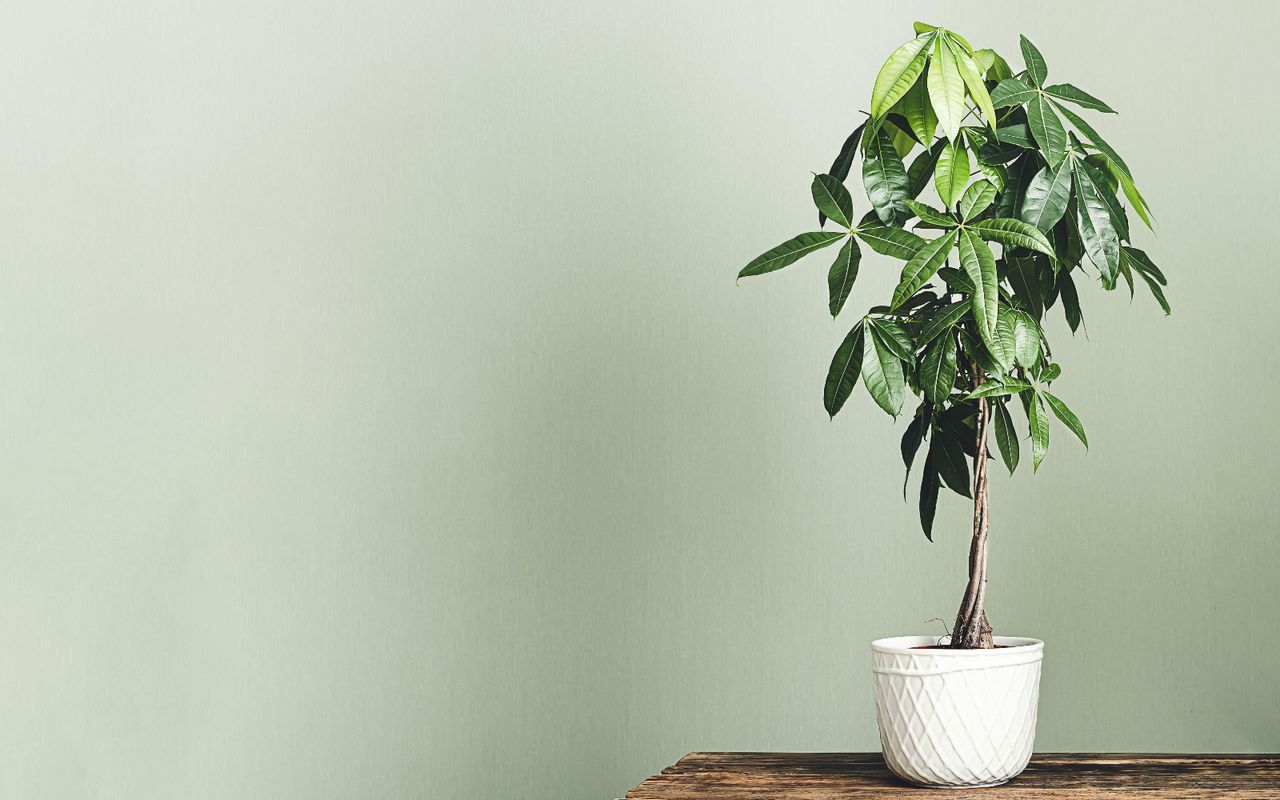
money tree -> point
(1014, 166)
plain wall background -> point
(380, 417)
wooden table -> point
(1050, 776)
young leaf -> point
(1006, 436)
(946, 89)
(1026, 339)
(885, 179)
(842, 275)
(1066, 91)
(1039, 430)
(922, 266)
(977, 198)
(1013, 233)
(973, 82)
(1011, 92)
(882, 373)
(1047, 195)
(930, 215)
(1093, 216)
(918, 110)
(1069, 419)
(1046, 128)
(952, 173)
(832, 199)
(1036, 68)
(980, 267)
(899, 72)
(790, 252)
(938, 370)
(846, 365)
(890, 241)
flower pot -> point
(956, 718)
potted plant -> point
(1014, 164)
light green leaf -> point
(791, 251)
(885, 178)
(846, 365)
(1011, 92)
(942, 321)
(899, 72)
(922, 266)
(997, 388)
(918, 110)
(1039, 423)
(1101, 242)
(1136, 200)
(923, 27)
(842, 275)
(1014, 233)
(977, 198)
(1005, 342)
(882, 373)
(1026, 338)
(973, 81)
(1069, 419)
(1006, 436)
(1047, 196)
(952, 173)
(1097, 141)
(890, 241)
(1047, 128)
(946, 89)
(832, 199)
(1066, 91)
(980, 267)
(1036, 68)
(938, 370)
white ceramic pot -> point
(956, 718)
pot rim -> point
(902, 645)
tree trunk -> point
(972, 631)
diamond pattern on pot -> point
(951, 719)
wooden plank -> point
(1049, 776)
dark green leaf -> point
(1006, 436)
(930, 214)
(791, 251)
(1036, 68)
(1093, 137)
(1018, 135)
(922, 167)
(882, 374)
(1023, 275)
(842, 275)
(1039, 430)
(947, 453)
(942, 321)
(1069, 419)
(1104, 189)
(1013, 233)
(1149, 272)
(929, 486)
(980, 267)
(922, 266)
(1093, 217)
(1046, 128)
(1066, 91)
(1070, 301)
(895, 339)
(1143, 263)
(845, 368)
(890, 241)
(911, 439)
(832, 199)
(1047, 196)
(938, 370)
(998, 388)
(1026, 333)
(885, 179)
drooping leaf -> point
(1070, 301)
(1013, 233)
(1149, 272)
(1039, 423)
(929, 486)
(1026, 334)
(1005, 342)
(1006, 436)
(895, 338)
(1046, 128)
(1011, 92)
(1047, 195)
(1069, 419)
(842, 275)
(885, 179)
(972, 78)
(911, 439)
(1144, 263)
(1097, 141)
(952, 173)
(980, 267)
(930, 214)
(790, 252)
(882, 374)
(942, 321)
(846, 365)
(946, 89)
(922, 167)
(832, 199)
(947, 453)
(1066, 91)
(938, 370)
(1105, 191)
(956, 280)
(977, 198)
(919, 112)
(1036, 68)
(1093, 218)
(890, 241)
(899, 72)
(1023, 275)
(998, 388)
(1136, 200)
(922, 266)
(844, 161)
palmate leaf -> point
(885, 179)
(790, 252)
(845, 367)
(943, 321)
(977, 198)
(899, 72)
(1093, 216)
(1014, 233)
(952, 173)
(1006, 436)
(919, 113)
(1066, 91)
(890, 241)
(882, 373)
(938, 369)
(1046, 128)
(1039, 422)
(1067, 418)
(1047, 195)
(842, 274)
(946, 89)
(922, 266)
(832, 199)
(1036, 68)
(980, 267)
(1011, 92)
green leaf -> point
(947, 454)
(1149, 272)
(1143, 263)
(918, 110)
(1046, 128)
(938, 370)
(791, 251)
(922, 266)
(923, 27)
(842, 275)
(980, 267)
(882, 373)
(956, 281)
(1006, 436)
(1136, 200)
(1036, 67)
(895, 338)
(1011, 92)
(942, 321)
(1069, 419)
(885, 179)
(1047, 195)
(844, 161)
(1023, 274)
(832, 199)
(1097, 141)
(930, 214)
(1070, 300)
(846, 365)
(1026, 334)
(1019, 135)
(1002, 345)
(1104, 189)
(890, 241)
(1093, 216)
(946, 89)
(911, 439)
(1068, 92)
(952, 174)
(929, 486)
(998, 388)
(973, 82)
(977, 198)
(922, 166)
(1039, 430)
(899, 72)
(1013, 233)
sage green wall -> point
(380, 417)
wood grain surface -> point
(1071, 776)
